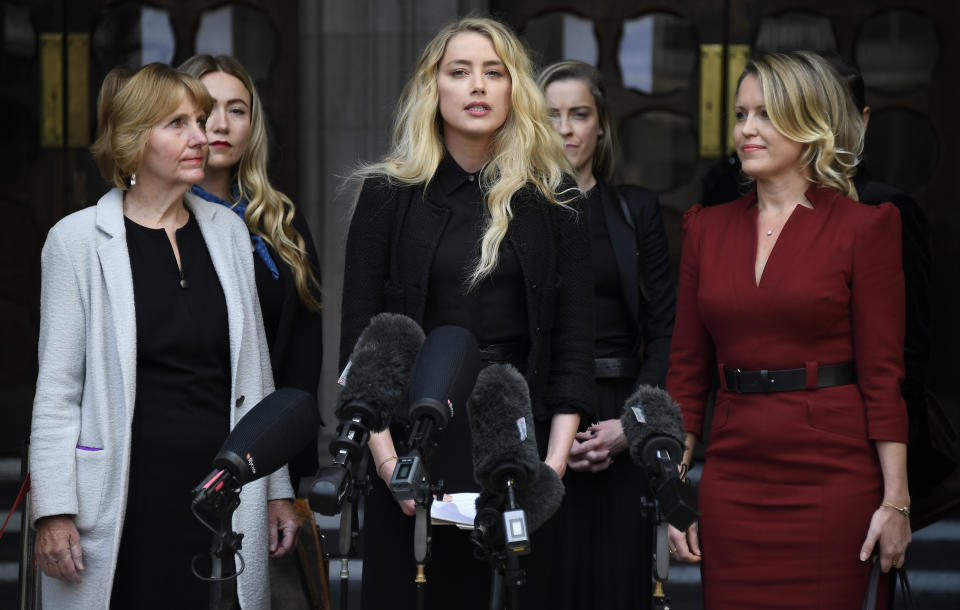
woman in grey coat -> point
(151, 348)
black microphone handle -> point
(271, 434)
(444, 374)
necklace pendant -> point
(769, 232)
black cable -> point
(228, 544)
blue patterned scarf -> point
(259, 245)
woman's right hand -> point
(684, 546)
(58, 548)
(386, 472)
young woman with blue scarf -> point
(285, 260)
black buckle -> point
(736, 381)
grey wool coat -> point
(87, 385)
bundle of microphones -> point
(397, 374)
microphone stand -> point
(350, 532)
(223, 592)
(513, 574)
(423, 444)
(504, 556)
(220, 495)
(659, 554)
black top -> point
(493, 311)
(181, 414)
(615, 334)
(183, 344)
(294, 335)
(639, 245)
(392, 247)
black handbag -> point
(873, 587)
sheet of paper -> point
(460, 510)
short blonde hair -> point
(128, 107)
(808, 102)
(603, 157)
(525, 151)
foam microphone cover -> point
(444, 374)
(501, 428)
(380, 367)
(271, 434)
(650, 412)
(542, 497)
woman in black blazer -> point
(608, 541)
(285, 260)
(471, 221)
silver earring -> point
(133, 178)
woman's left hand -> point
(593, 449)
(283, 527)
(890, 532)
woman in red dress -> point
(794, 295)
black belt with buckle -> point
(787, 380)
(607, 368)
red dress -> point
(791, 479)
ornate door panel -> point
(53, 58)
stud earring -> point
(133, 178)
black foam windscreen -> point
(380, 367)
(651, 412)
(271, 434)
(502, 428)
(541, 497)
(444, 374)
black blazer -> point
(295, 338)
(643, 264)
(390, 248)
(917, 265)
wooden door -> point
(909, 68)
(650, 58)
(904, 54)
(54, 56)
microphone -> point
(506, 463)
(443, 375)
(374, 384)
(501, 428)
(378, 372)
(271, 434)
(653, 426)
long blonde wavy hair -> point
(808, 102)
(526, 150)
(269, 212)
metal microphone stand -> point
(411, 480)
(517, 543)
(223, 584)
(659, 554)
(219, 494)
(349, 533)
(502, 536)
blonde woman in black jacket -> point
(471, 221)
